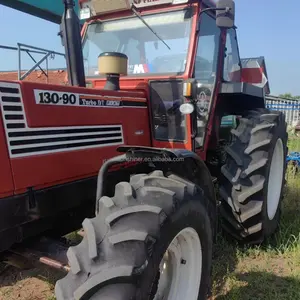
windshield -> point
(146, 53)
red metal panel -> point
(254, 71)
(41, 170)
(46, 170)
(142, 84)
(51, 115)
(6, 180)
(252, 75)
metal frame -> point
(290, 107)
(32, 50)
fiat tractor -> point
(161, 138)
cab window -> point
(232, 64)
(146, 53)
(205, 71)
(207, 50)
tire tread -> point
(119, 240)
(243, 177)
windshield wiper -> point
(141, 18)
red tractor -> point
(151, 83)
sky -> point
(266, 28)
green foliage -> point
(289, 96)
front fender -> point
(139, 151)
(190, 159)
(192, 168)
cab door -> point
(171, 129)
(206, 73)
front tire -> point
(253, 177)
(152, 239)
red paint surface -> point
(252, 75)
(6, 186)
(50, 169)
(55, 115)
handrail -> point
(30, 50)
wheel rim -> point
(181, 268)
(275, 179)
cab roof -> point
(92, 8)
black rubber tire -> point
(119, 256)
(244, 179)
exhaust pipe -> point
(71, 38)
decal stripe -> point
(121, 103)
(9, 90)
(133, 103)
(134, 99)
(15, 125)
(62, 139)
(24, 138)
(12, 108)
(112, 98)
(68, 146)
(13, 113)
(11, 99)
(83, 141)
(25, 141)
(42, 132)
(14, 117)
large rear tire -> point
(152, 239)
(252, 180)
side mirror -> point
(225, 13)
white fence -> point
(290, 107)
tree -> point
(289, 96)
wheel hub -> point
(181, 268)
(275, 179)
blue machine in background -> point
(294, 157)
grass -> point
(294, 143)
(268, 272)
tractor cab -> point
(147, 55)
(156, 36)
(167, 43)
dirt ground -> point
(34, 284)
(257, 276)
